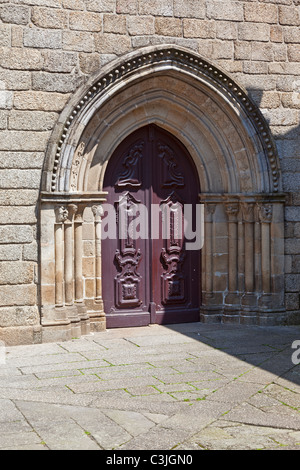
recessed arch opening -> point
(233, 152)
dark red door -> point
(148, 274)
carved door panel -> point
(176, 270)
(148, 278)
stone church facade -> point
(172, 91)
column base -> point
(232, 308)
(84, 318)
(211, 314)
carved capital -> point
(248, 211)
(265, 212)
(98, 212)
(232, 210)
(79, 213)
(61, 214)
(209, 211)
(72, 210)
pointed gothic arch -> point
(239, 173)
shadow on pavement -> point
(268, 348)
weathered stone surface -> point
(10, 252)
(49, 18)
(54, 82)
(16, 273)
(23, 141)
(17, 14)
(168, 26)
(156, 7)
(227, 10)
(89, 63)
(198, 29)
(114, 24)
(112, 43)
(143, 25)
(261, 13)
(85, 21)
(22, 295)
(254, 32)
(16, 234)
(17, 215)
(15, 80)
(5, 35)
(80, 41)
(189, 8)
(18, 316)
(42, 39)
(35, 121)
(50, 48)
(26, 179)
(101, 6)
(40, 101)
(20, 59)
(21, 160)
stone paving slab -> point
(180, 387)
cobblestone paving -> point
(182, 387)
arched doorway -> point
(212, 120)
(150, 275)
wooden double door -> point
(148, 275)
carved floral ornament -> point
(187, 62)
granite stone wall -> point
(49, 48)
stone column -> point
(69, 253)
(98, 317)
(78, 251)
(265, 216)
(78, 254)
(210, 210)
(61, 214)
(249, 299)
(72, 311)
(208, 309)
(98, 213)
(232, 299)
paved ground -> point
(188, 387)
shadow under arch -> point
(193, 73)
(239, 172)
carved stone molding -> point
(76, 165)
(183, 60)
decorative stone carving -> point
(194, 65)
(98, 212)
(248, 211)
(61, 214)
(72, 210)
(232, 210)
(265, 213)
(76, 165)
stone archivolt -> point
(237, 164)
